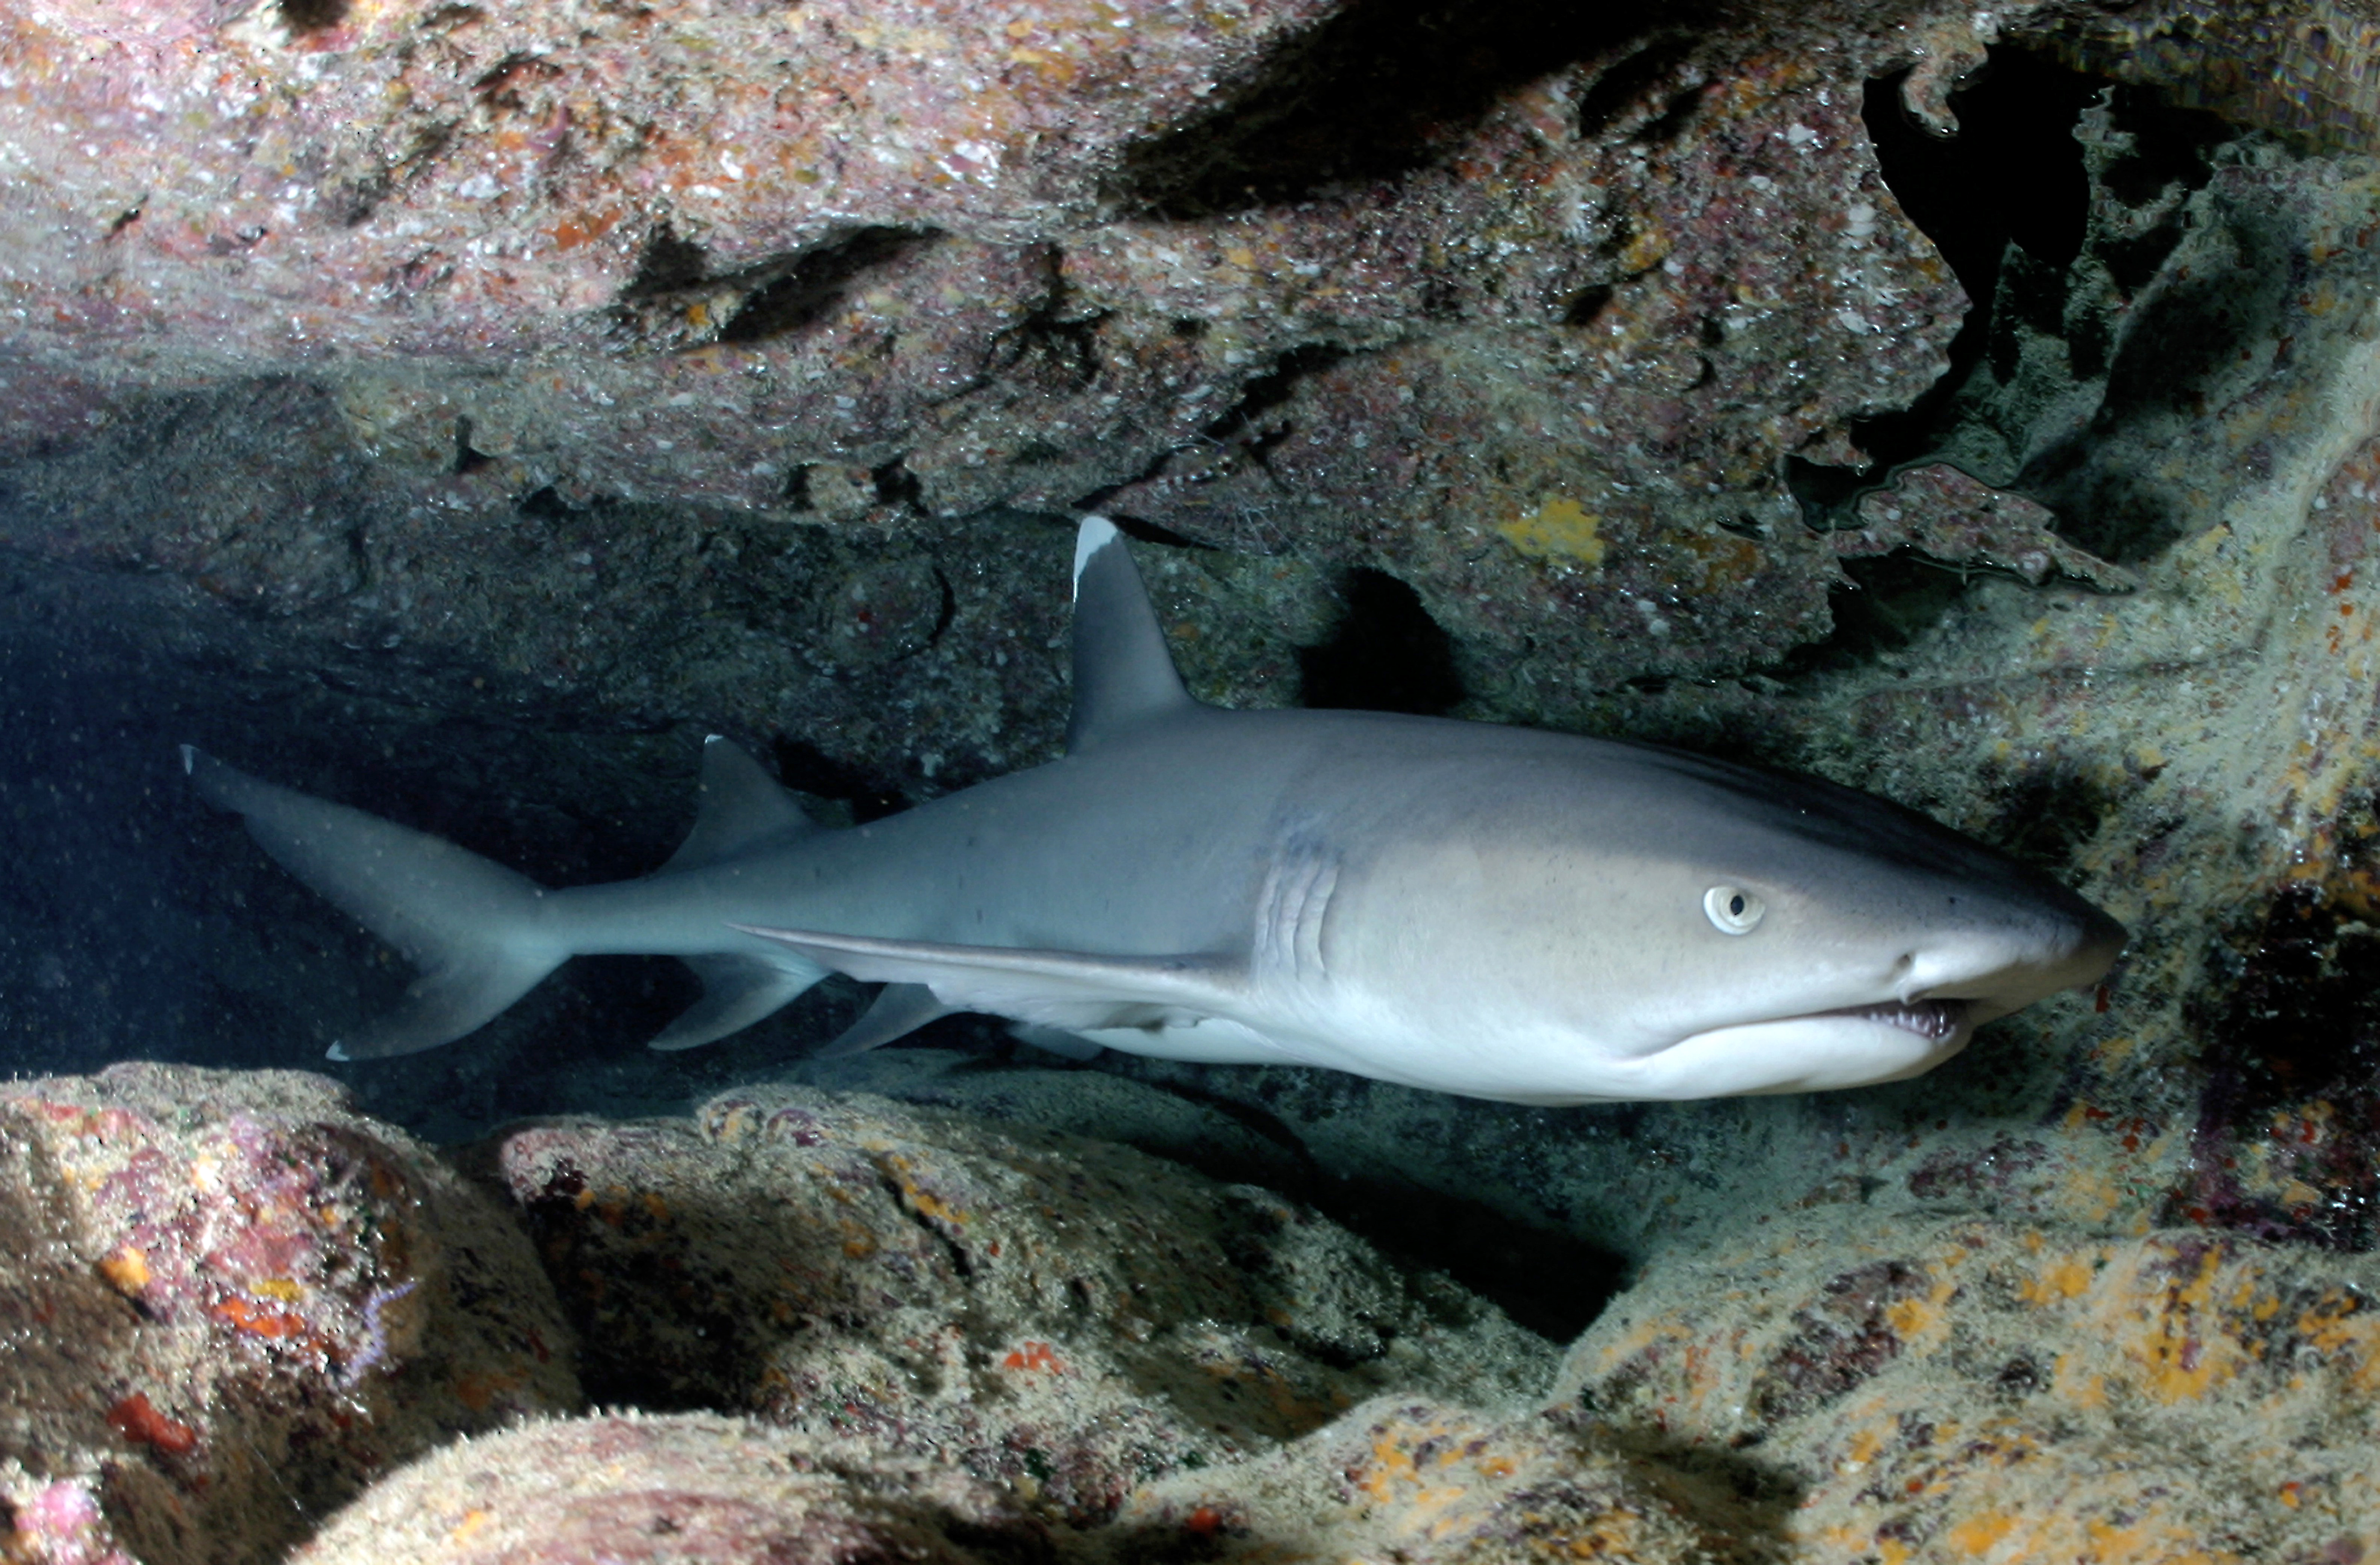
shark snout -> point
(2005, 969)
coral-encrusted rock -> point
(1531, 318)
(1975, 1389)
(1942, 513)
(229, 1302)
(695, 1489)
(1424, 1484)
(1069, 1317)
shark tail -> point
(472, 928)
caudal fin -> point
(468, 925)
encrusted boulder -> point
(1067, 1317)
(684, 1489)
(1428, 1484)
(1970, 1388)
(230, 1302)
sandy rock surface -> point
(684, 1489)
(1975, 1389)
(229, 1302)
(1066, 1318)
(1434, 1485)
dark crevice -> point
(312, 15)
(1621, 86)
(1271, 389)
(961, 1262)
(806, 768)
(816, 283)
(895, 485)
(467, 459)
(1382, 90)
(1584, 309)
(666, 265)
(1239, 424)
(546, 505)
(2012, 177)
(2293, 1051)
(499, 87)
(1052, 344)
(1885, 605)
(1149, 532)
(949, 610)
(1386, 654)
(770, 298)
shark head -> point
(1629, 922)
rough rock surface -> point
(1981, 1389)
(1425, 1484)
(1529, 317)
(1069, 1318)
(1681, 377)
(690, 1489)
(228, 1303)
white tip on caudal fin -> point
(470, 926)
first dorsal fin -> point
(740, 807)
(1124, 674)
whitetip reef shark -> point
(1497, 912)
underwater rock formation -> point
(1067, 1317)
(473, 405)
(1982, 1390)
(1426, 1484)
(684, 1489)
(229, 1302)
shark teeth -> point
(1933, 1020)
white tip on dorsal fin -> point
(1096, 533)
(740, 807)
(1123, 674)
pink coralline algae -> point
(250, 1300)
(59, 1523)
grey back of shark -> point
(1490, 911)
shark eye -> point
(1734, 910)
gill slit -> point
(1290, 908)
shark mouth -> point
(1936, 1021)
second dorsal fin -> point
(740, 807)
(1123, 674)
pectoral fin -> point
(1057, 989)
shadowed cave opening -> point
(1384, 655)
(2007, 199)
(1376, 91)
(2012, 176)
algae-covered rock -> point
(230, 1301)
(1068, 1318)
(1970, 1389)
(691, 1489)
(1425, 1484)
